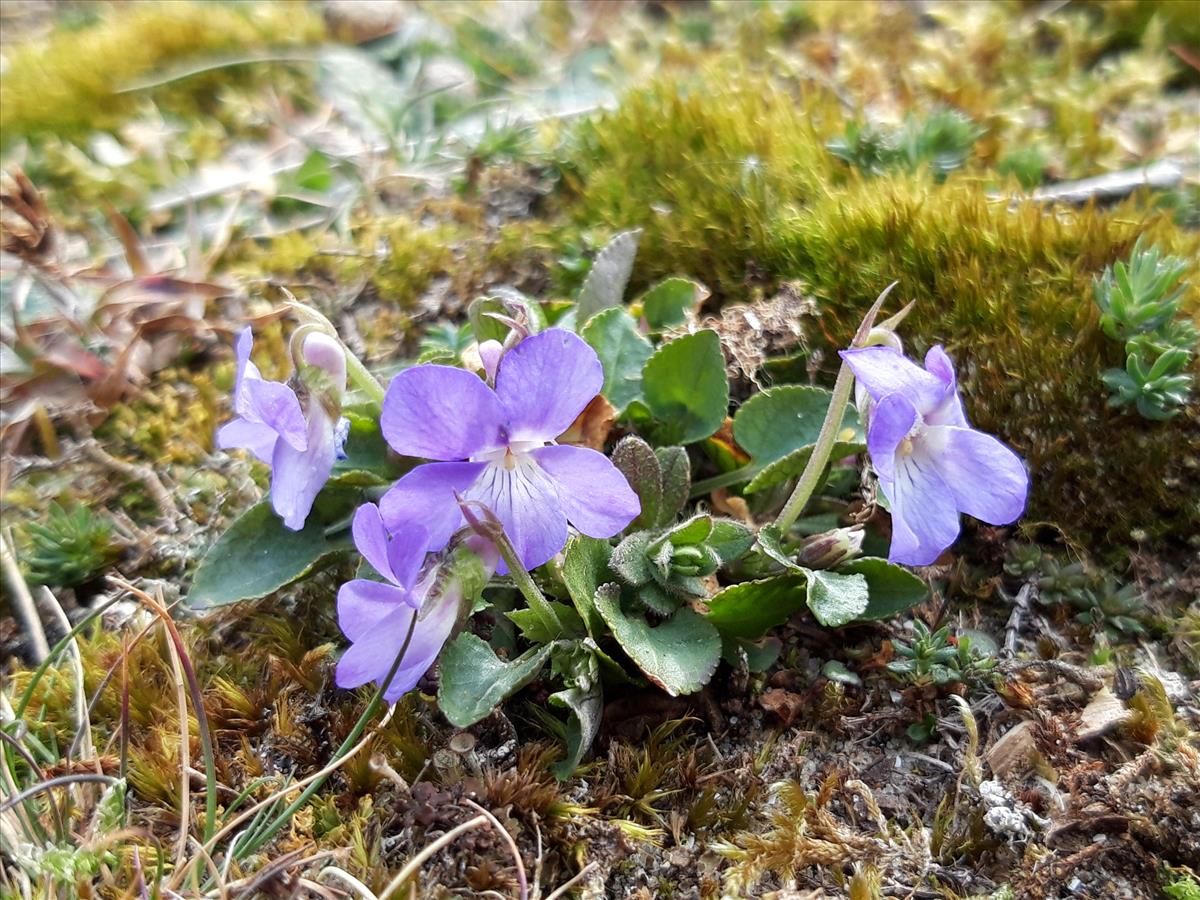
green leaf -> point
(314, 174)
(605, 283)
(893, 589)
(679, 656)
(258, 555)
(474, 680)
(836, 598)
(634, 459)
(694, 531)
(731, 540)
(586, 707)
(793, 464)
(533, 627)
(655, 599)
(630, 559)
(486, 328)
(623, 351)
(676, 482)
(774, 422)
(686, 388)
(669, 302)
(366, 462)
(758, 655)
(751, 609)
(585, 568)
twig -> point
(413, 866)
(137, 474)
(1012, 628)
(522, 882)
(575, 879)
(1114, 185)
(23, 601)
(346, 878)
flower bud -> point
(831, 548)
(326, 353)
(489, 354)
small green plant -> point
(1100, 600)
(1181, 885)
(934, 658)
(70, 548)
(943, 141)
(1138, 304)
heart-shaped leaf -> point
(680, 655)
(686, 388)
(623, 351)
(751, 609)
(669, 302)
(774, 422)
(258, 555)
(474, 681)
(836, 598)
(893, 588)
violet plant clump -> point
(495, 445)
(931, 464)
(299, 439)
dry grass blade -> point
(414, 865)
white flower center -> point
(517, 453)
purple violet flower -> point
(300, 443)
(932, 465)
(376, 616)
(496, 446)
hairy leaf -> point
(680, 655)
(605, 283)
(474, 680)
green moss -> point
(1008, 291)
(71, 81)
(703, 169)
(171, 422)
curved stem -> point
(833, 421)
(362, 378)
(820, 456)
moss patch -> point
(71, 81)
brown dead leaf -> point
(726, 504)
(1014, 753)
(1104, 713)
(26, 229)
(785, 705)
(592, 426)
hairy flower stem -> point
(488, 526)
(362, 379)
(832, 425)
